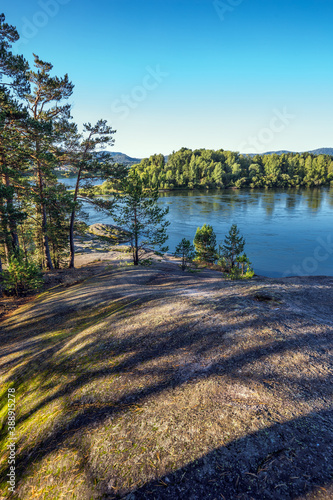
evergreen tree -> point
(47, 112)
(13, 82)
(12, 171)
(205, 243)
(89, 164)
(22, 276)
(14, 67)
(233, 245)
(58, 209)
(245, 266)
(185, 250)
(138, 213)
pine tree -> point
(233, 245)
(12, 170)
(13, 82)
(14, 67)
(89, 164)
(46, 112)
(244, 262)
(138, 213)
(186, 251)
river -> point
(287, 232)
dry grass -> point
(156, 384)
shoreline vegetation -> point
(105, 189)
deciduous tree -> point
(205, 243)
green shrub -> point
(21, 276)
(146, 262)
(234, 274)
(224, 263)
(242, 270)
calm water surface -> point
(287, 232)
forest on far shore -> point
(209, 169)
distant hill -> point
(322, 151)
(128, 160)
(319, 151)
(283, 151)
(124, 159)
(116, 157)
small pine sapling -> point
(186, 251)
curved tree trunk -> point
(71, 225)
(11, 220)
(1, 277)
(12, 241)
(71, 240)
(136, 242)
(47, 253)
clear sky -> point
(245, 75)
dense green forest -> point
(203, 168)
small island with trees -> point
(208, 169)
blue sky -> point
(245, 75)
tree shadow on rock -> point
(291, 460)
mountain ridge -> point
(319, 151)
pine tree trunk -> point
(136, 249)
(136, 261)
(71, 240)
(48, 259)
(4, 229)
(71, 225)
(39, 237)
(11, 220)
(13, 245)
(24, 245)
(1, 294)
(47, 253)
